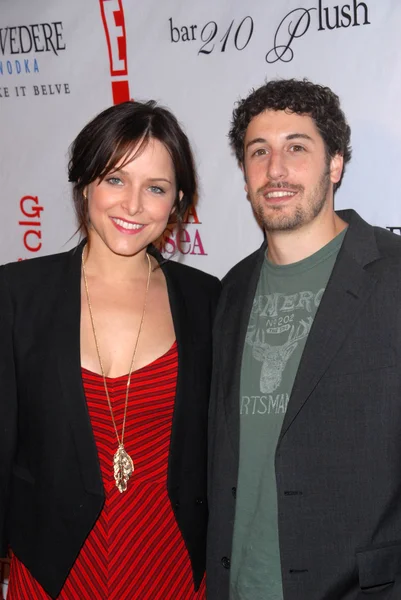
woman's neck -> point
(101, 262)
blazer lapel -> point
(237, 309)
(346, 293)
(185, 341)
(67, 335)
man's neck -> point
(288, 247)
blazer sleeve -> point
(8, 405)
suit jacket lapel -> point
(236, 311)
(346, 293)
(185, 341)
(67, 339)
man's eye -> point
(155, 189)
(297, 148)
(114, 181)
(259, 152)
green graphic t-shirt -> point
(285, 304)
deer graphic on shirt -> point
(275, 358)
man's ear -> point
(241, 165)
(336, 168)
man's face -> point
(289, 177)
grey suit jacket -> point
(338, 458)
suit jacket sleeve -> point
(8, 405)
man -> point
(305, 415)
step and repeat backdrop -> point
(63, 62)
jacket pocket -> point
(379, 566)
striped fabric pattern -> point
(135, 550)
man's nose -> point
(276, 166)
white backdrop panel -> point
(197, 59)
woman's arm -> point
(8, 404)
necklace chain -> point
(123, 464)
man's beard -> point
(284, 218)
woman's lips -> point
(129, 227)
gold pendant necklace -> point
(123, 464)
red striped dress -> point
(135, 550)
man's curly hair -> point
(298, 96)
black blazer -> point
(338, 458)
(51, 490)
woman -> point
(105, 371)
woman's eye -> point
(114, 181)
(155, 189)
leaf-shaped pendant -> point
(123, 468)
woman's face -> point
(130, 208)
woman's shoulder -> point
(38, 270)
(191, 275)
(184, 273)
(200, 290)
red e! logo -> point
(114, 26)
